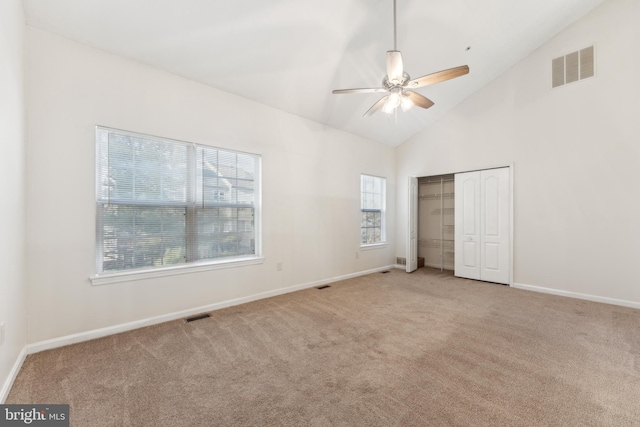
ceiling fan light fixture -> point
(406, 102)
(389, 107)
(394, 100)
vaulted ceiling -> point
(290, 54)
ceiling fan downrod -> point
(395, 29)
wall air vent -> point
(572, 67)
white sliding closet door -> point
(467, 225)
(482, 225)
(494, 228)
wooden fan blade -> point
(376, 107)
(363, 90)
(438, 77)
(419, 100)
(395, 69)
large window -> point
(163, 202)
(372, 207)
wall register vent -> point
(575, 66)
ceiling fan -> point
(397, 82)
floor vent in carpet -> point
(198, 317)
(323, 287)
(385, 272)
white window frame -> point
(115, 276)
(382, 210)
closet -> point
(436, 221)
(462, 222)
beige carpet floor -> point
(395, 349)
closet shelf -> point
(443, 211)
(436, 196)
(435, 180)
(436, 243)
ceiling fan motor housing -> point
(390, 85)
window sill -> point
(127, 276)
(374, 246)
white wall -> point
(576, 154)
(311, 178)
(12, 177)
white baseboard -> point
(6, 387)
(110, 330)
(577, 295)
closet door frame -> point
(413, 203)
(412, 227)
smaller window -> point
(372, 209)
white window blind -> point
(372, 208)
(164, 202)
